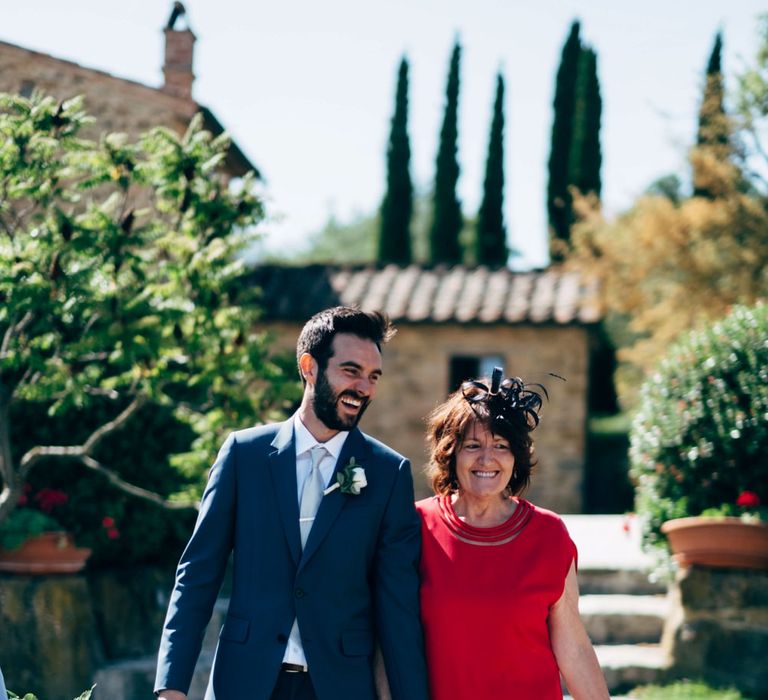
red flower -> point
(48, 499)
(107, 521)
(113, 533)
(748, 499)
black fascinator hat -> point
(508, 402)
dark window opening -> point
(464, 367)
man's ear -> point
(308, 368)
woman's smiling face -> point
(484, 463)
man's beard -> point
(325, 405)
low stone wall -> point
(56, 631)
(718, 628)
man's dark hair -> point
(318, 333)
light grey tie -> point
(312, 493)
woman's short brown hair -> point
(448, 424)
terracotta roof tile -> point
(495, 301)
(470, 302)
(448, 294)
(424, 290)
(518, 303)
(402, 292)
(430, 295)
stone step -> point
(625, 666)
(624, 619)
(628, 665)
(134, 679)
(600, 580)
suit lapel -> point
(331, 505)
(282, 464)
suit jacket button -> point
(282, 639)
(299, 592)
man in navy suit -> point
(326, 543)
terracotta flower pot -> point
(47, 553)
(718, 542)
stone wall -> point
(58, 630)
(718, 628)
(416, 378)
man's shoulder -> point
(257, 434)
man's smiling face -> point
(347, 385)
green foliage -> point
(345, 243)
(24, 523)
(491, 237)
(700, 436)
(685, 690)
(397, 208)
(120, 284)
(354, 242)
(444, 245)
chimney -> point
(179, 48)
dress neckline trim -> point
(485, 536)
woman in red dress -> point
(499, 596)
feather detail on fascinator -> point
(507, 400)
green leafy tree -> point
(350, 242)
(670, 264)
(444, 245)
(353, 242)
(119, 284)
(558, 196)
(491, 236)
(397, 208)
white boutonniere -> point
(351, 479)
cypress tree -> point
(558, 197)
(712, 135)
(446, 213)
(397, 207)
(586, 158)
(491, 239)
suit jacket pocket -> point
(357, 643)
(235, 629)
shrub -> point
(700, 438)
(117, 527)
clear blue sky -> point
(306, 87)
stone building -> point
(117, 103)
(455, 323)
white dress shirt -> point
(304, 442)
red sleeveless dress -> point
(485, 599)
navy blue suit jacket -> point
(355, 583)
